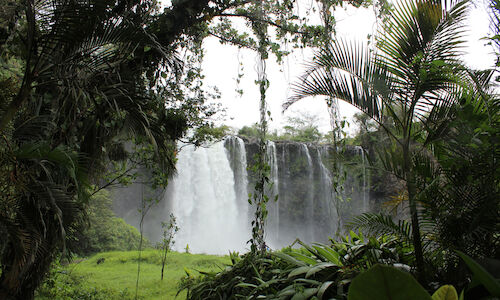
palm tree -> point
(412, 78)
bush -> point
(104, 231)
(324, 271)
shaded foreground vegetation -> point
(440, 126)
(351, 268)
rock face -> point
(308, 207)
(209, 196)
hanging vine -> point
(261, 168)
(338, 175)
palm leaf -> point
(378, 224)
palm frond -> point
(344, 71)
(378, 224)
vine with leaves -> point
(261, 168)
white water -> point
(209, 196)
(326, 183)
(310, 192)
(204, 201)
(273, 222)
(365, 198)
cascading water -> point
(238, 162)
(203, 198)
(310, 192)
(326, 186)
(209, 196)
(361, 153)
(273, 222)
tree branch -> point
(256, 19)
(234, 42)
(112, 182)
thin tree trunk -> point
(415, 226)
(163, 261)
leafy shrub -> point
(322, 271)
(104, 231)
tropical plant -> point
(317, 270)
(385, 282)
(411, 79)
(480, 276)
(495, 28)
(381, 282)
(458, 189)
(86, 77)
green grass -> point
(115, 278)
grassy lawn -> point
(115, 277)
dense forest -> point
(96, 94)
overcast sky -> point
(221, 69)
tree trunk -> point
(19, 279)
(415, 226)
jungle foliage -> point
(414, 80)
(104, 231)
(82, 82)
(435, 133)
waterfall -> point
(326, 184)
(209, 195)
(361, 153)
(238, 162)
(203, 198)
(309, 202)
(273, 227)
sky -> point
(222, 61)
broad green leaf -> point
(307, 281)
(286, 292)
(353, 235)
(299, 270)
(386, 283)
(306, 294)
(328, 253)
(461, 295)
(289, 259)
(304, 258)
(246, 285)
(446, 292)
(309, 248)
(319, 267)
(481, 275)
(323, 288)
